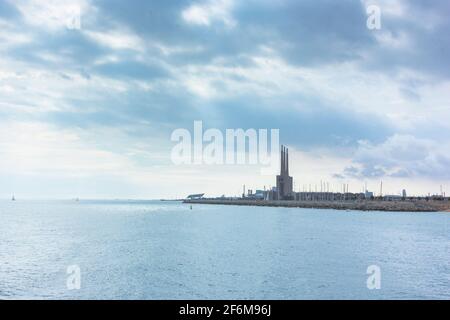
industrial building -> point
(284, 188)
(284, 182)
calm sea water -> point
(164, 250)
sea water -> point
(165, 250)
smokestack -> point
(287, 161)
(282, 160)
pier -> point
(363, 205)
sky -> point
(91, 91)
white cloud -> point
(33, 147)
(395, 8)
(402, 156)
(406, 11)
(117, 39)
(344, 85)
(399, 41)
(210, 11)
(10, 37)
(53, 15)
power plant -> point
(284, 189)
(284, 183)
(284, 195)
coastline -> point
(366, 205)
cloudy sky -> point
(87, 106)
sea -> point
(168, 250)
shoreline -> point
(367, 205)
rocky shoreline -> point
(365, 205)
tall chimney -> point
(287, 161)
(282, 160)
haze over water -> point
(164, 250)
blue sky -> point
(88, 112)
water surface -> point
(164, 250)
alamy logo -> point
(74, 279)
(211, 147)
(73, 18)
(374, 17)
(374, 279)
(60, 14)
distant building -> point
(195, 196)
(368, 194)
(404, 193)
(270, 194)
(392, 197)
(284, 181)
(258, 195)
